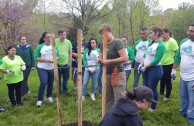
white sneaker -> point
(50, 99)
(29, 92)
(151, 110)
(92, 97)
(39, 104)
(83, 98)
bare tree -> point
(85, 12)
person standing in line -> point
(167, 62)
(74, 62)
(150, 65)
(64, 61)
(12, 67)
(126, 111)
(116, 55)
(90, 60)
(185, 57)
(130, 54)
(45, 68)
(25, 51)
(139, 50)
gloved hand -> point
(10, 72)
(139, 69)
(23, 68)
(92, 69)
(173, 74)
(142, 69)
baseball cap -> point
(143, 92)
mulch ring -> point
(84, 123)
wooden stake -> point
(104, 74)
(79, 81)
(56, 79)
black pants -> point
(24, 86)
(166, 80)
(14, 89)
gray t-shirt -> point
(112, 53)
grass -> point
(167, 113)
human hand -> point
(10, 72)
(141, 68)
(23, 68)
(173, 74)
(105, 62)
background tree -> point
(11, 16)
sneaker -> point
(29, 92)
(83, 98)
(151, 110)
(165, 99)
(50, 99)
(3, 110)
(39, 104)
(92, 97)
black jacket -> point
(123, 113)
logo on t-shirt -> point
(187, 49)
(143, 47)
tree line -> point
(32, 17)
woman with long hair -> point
(150, 65)
(45, 68)
(90, 61)
(167, 62)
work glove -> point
(141, 68)
(23, 68)
(92, 69)
(10, 72)
(173, 74)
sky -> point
(165, 4)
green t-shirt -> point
(15, 66)
(64, 48)
(171, 46)
(112, 53)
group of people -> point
(157, 56)
(152, 57)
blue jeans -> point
(87, 75)
(187, 100)
(46, 79)
(99, 79)
(128, 72)
(151, 78)
(65, 73)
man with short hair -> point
(116, 55)
(184, 57)
(65, 54)
(139, 49)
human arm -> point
(159, 54)
(122, 58)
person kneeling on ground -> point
(125, 111)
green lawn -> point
(167, 113)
